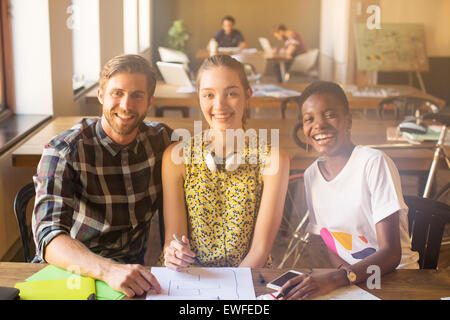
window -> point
(130, 26)
(83, 19)
(136, 24)
(144, 25)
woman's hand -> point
(178, 256)
(310, 286)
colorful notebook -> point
(103, 291)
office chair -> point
(254, 64)
(171, 55)
(405, 105)
(293, 225)
(426, 220)
(298, 127)
(304, 63)
(20, 210)
(286, 102)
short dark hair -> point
(280, 27)
(325, 88)
(131, 63)
(229, 18)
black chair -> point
(427, 219)
(287, 101)
(159, 110)
(404, 105)
(159, 208)
(20, 210)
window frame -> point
(5, 60)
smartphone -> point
(278, 282)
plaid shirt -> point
(99, 192)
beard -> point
(123, 129)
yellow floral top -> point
(222, 206)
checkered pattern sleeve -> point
(53, 208)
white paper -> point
(204, 284)
(268, 90)
(348, 293)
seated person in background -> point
(354, 198)
(226, 212)
(227, 36)
(293, 46)
(98, 184)
(293, 42)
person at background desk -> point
(98, 184)
(227, 36)
(293, 46)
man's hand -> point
(131, 279)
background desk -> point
(167, 95)
(365, 132)
(400, 284)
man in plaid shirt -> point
(98, 184)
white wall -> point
(61, 59)
(31, 57)
(111, 29)
(434, 14)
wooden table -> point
(167, 95)
(400, 284)
(366, 132)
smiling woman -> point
(228, 211)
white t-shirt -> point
(345, 210)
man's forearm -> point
(68, 253)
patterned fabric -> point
(222, 206)
(99, 192)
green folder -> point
(103, 291)
(76, 288)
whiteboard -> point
(394, 47)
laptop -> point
(175, 74)
(265, 44)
